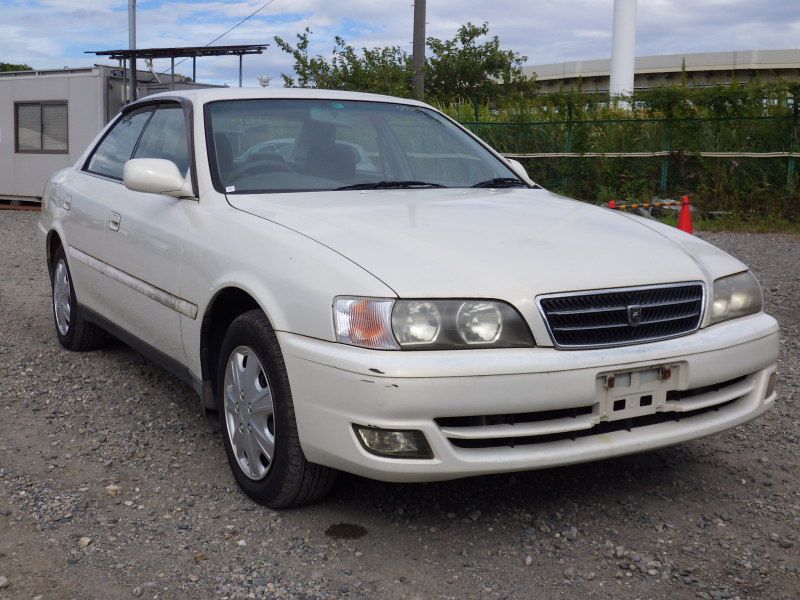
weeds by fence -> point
(724, 164)
(728, 148)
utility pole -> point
(623, 48)
(132, 46)
(418, 59)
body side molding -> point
(161, 296)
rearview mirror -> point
(156, 176)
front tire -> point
(257, 418)
(73, 331)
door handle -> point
(113, 222)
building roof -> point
(753, 60)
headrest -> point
(336, 162)
(224, 151)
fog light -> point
(409, 443)
(773, 379)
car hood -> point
(510, 244)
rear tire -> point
(73, 331)
(257, 418)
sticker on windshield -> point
(230, 188)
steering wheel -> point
(259, 165)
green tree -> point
(456, 69)
(12, 67)
(462, 68)
(380, 70)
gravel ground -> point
(114, 485)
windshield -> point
(302, 145)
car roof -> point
(204, 95)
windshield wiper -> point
(388, 185)
(500, 182)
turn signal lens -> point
(364, 322)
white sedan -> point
(436, 316)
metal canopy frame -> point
(173, 53)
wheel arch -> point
(53, 244)
(227, 304)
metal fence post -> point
(792, 148)
(477, 118)
(665, 160)
(568, 146)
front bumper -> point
(335, 386)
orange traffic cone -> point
(685, 218)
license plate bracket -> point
(630, 393)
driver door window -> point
(116, 148)
(165, 137)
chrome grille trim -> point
(668, 311)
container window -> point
(41, 127)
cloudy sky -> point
(55, 33)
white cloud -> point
(55, 33)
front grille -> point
(601, 428)
(608, 318)
(514, 419)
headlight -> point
(449, 324)
(416, 323)
(428, 324)
(735, 296)
(479, 322)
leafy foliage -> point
(457, 68)
(12, 67)
(380, 70)
(463, 68)
(753, 118)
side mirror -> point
(517, 167)
(156, 176)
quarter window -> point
(41, 127)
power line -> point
(235, 26)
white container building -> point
(49, 117)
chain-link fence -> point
(745, 165)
